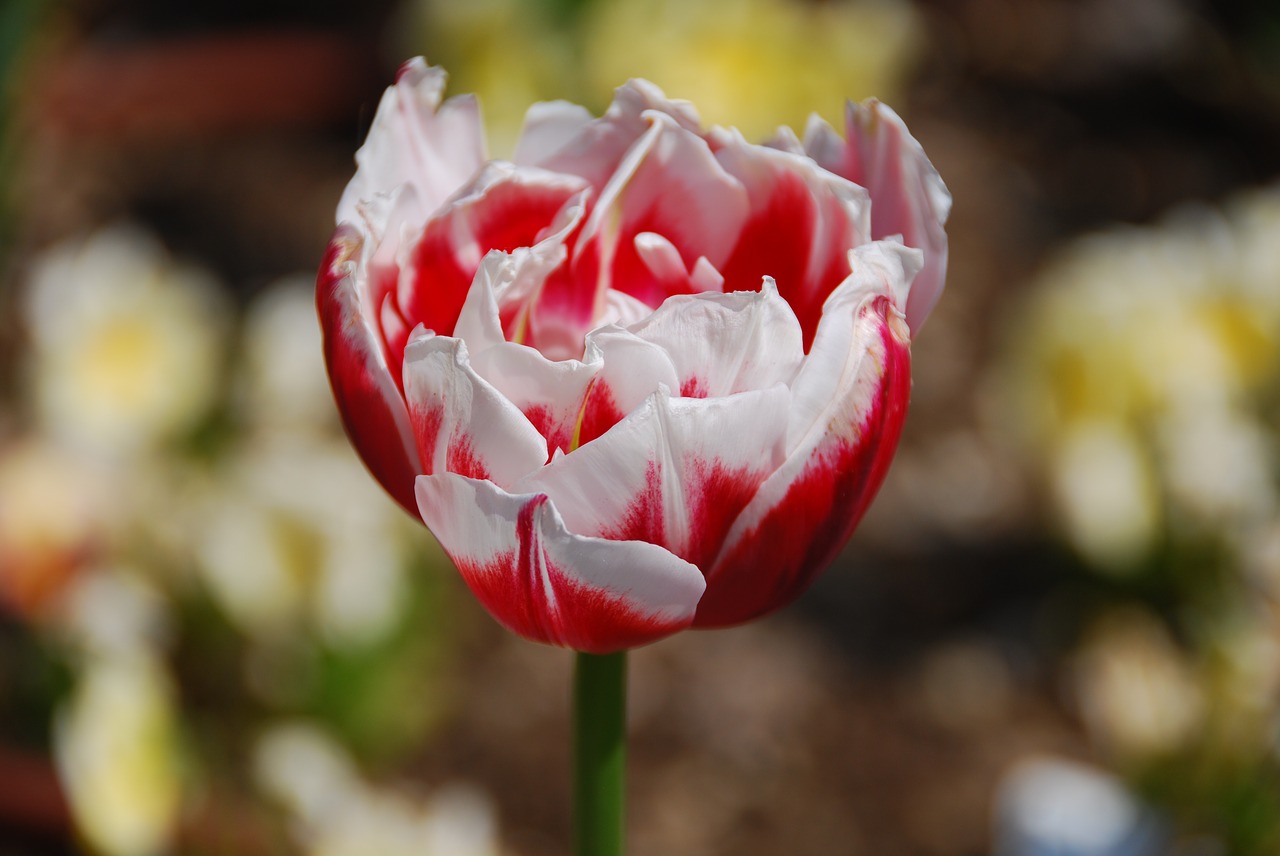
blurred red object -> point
(180, 88)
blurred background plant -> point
(1056, 632)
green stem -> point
(599, 753)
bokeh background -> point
(1055, 633)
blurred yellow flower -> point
(116, 747)
(753, 64)
(1140, 371)
(126, 344)
(756, 64)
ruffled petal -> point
(676, 472)
(547, 584)
(802, 224)
(908, 197)
(720, 344)
(849, 401)
(594, 149)
(369, 400)
(414, 140)
(460, 422)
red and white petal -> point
(504, 208)
(676, 472)
(720, 344)
(669, 183)
(549, 585)
(908, 197)
(849, 403)
(368, 398)
(803, 221)
(416, 140)
(460, 422)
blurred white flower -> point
(1137, 693)
(1219, 464)
(126, 343)
(113, 613)
(297, 532)
(116, 748)
(1052, 806)
(337, 813)
(282, 380)
(1105, 493)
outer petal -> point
(549, 585)
(368, 398)
(676, 472)
(908, 197)
(461, 423)
(414, 140)
(849, 402)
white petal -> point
(725, 343)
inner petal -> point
(504, 208)
(802, 224)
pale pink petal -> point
(803, 222)
(908, 197)
(550, 585)
(461, 423)
(848, 405)
(622, 310)
(417, 141)
(549, 126)
(676, 472)
(594, 149)
(369, 400)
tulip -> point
(644, 376)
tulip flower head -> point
(642, 377)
